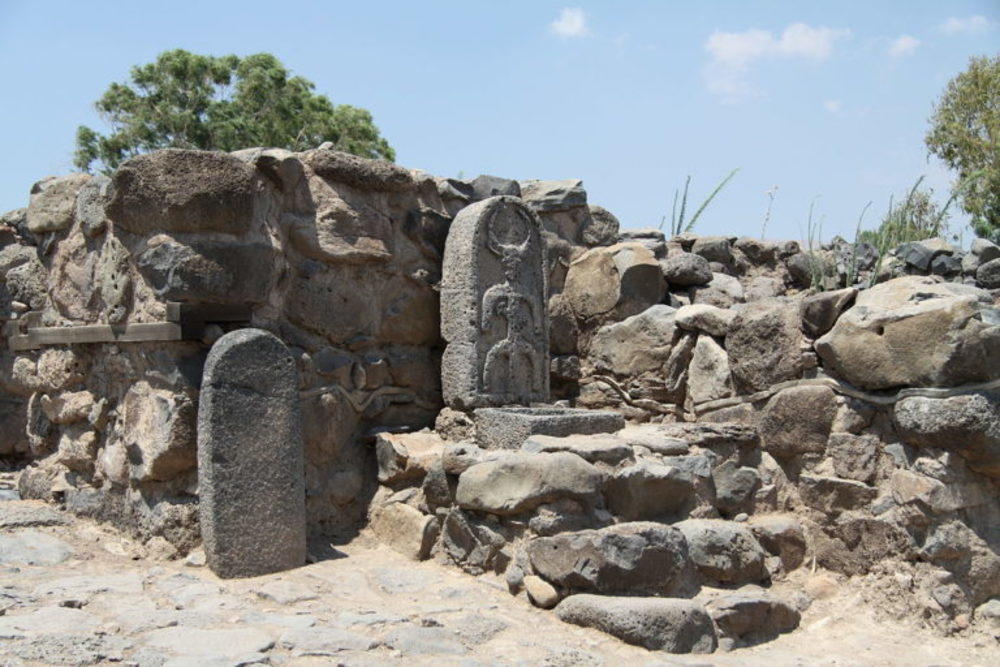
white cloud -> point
(732, 53)
(902, 46)
(833, 106)
(572, 22)
(972, 24)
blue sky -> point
(821, 99)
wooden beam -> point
(36, 337)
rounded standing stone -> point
(250, 457)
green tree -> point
(965, 134)
(186, 100)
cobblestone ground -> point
(74, 592)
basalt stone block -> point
(508, 428)
(493, 307)
(250, 457)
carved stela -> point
(493, 313)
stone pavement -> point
(94, 597)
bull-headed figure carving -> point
(512, 361)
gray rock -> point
(988, 274)
(704, 318)
(596, 448)
(647, 491)
(90, 202)
(734, 486)
(406, 457)
(985, 250)
(553, 195)
(714, 249)
(213, 271)
(27, 283)
(712, 435)
(756, 250)
(946, 265)
(176, 190)
(820, 311)
(630, 558)
(417, 640)
(540, 592)
(968, 424)
(53, 203)
(686, 269)
(224, 643)
(566, 367)
(519, 482)
(724, 551)
(832, 495)
(601, 229)
(251, 480)
(764, 287)
(324, 641)
(675, 626)
(854, 456)
(358, 172)
(782, 536)
(764, 345)
(920, 254)
(30, 547)
(709, 376)
(722, 291)
(753, 617)
(783, 431)
(914, 331)
(989, 612)
(508, 428)
(493, 307)
(637, 344)
(475, 544)
(652, 438)
(29, 514)
(485, 186)
(405, 529)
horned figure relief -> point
(511, 366)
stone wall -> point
(867, 412)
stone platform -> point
(509, 427)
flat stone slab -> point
(30, 547)
(509, 427)
(594, 448)
(29, 514)
(251, 457)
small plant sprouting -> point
(852, 270)
(770, 192)
(677, 225)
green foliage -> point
(852, 269)
(677, 221)
(917, 219)
(965, 134)
(186, 100)
(814, 235)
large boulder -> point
(753, 617)
(159, 433)
(614, 282)
(820, 311)
(213, 271)
(177, 190)
(520, 481)
(968, 424)
(553, 195)
(52, 205)
(913, 331)
(636, 345)
(722, 291)
(674, 626)
(765, 345)
(724, 551)
(630, 558)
